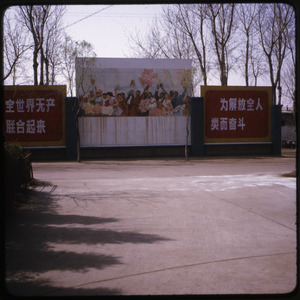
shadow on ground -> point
(35, 225)
(44, 288)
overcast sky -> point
(108, 27)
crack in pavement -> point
(171, 268)
(251, 211)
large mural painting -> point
(118, 87)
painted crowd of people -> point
(133, 102)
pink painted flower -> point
(148, 77)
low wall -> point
(133, 131)
(288, 127)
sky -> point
(109, 30)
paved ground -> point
(163, 226)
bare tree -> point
(84, 64)
(273, 22)
(149, 46)
(44, 24)
(34, 18)
(71, 50)
(285, 17)
(52, 46)
(162, 41)
(222, 28)
(289, 70)
(247, 17)
(257, 63)
(201, 11)
(190, 20)
(180, 33)
(15, 44)
(69, 54)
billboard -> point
(237, 114)
(119, 87)
(34, 115)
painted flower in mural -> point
(147, 77)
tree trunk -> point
(42, 68)
(35, 66)
(223, 72)
(247, 61)
(273, 94)
(279, 93)
(47, 71)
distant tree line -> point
(256, 40)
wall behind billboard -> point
(133, 87)
(237, 114)
(35, 115)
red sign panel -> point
(235, 114)
(34, 116)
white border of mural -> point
(138, 131)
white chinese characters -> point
(224, 124)
(35, 124)
(28, 127)
(240, 104)
(233, 123)
(29, 105)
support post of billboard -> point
(197, 126)
(276, 130)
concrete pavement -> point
(156, 227)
